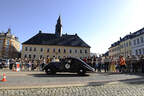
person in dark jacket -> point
(142, 63)
(106, 64)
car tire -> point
(81, 71)
(50, 71)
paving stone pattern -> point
(102, 90)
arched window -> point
(54, 50)
(75, 50)
(70, 51)
(30, 49)
(29, 55)
(25, 56)
(64, 50)
(59, 50)
(41, 56)
(80, 51)
(41, 49)
(85, 51)
(34, 56)
(26, 48)
(48, 50)
(34, 49)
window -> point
(129, 43)
(141, 38)
(25, 56)
(75, 50)
(134, 42)
(29, 55)
(136, 52)
(138, 41)
(30, 49)
(34, 49)
(54, 50)
(41, 50)
(59, 50)
(143, 50)
(140, 52)
(34, 56)
(26, 48)
(48, 50)
(124, 45)
(70, 51)
(41, 56)
(80, 51)
(85, 51)
(64, 50)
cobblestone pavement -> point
(96, 84)
(120, 89)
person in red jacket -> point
(122, 64)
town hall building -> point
(44, 45)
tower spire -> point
(58, 29)
(9, 31)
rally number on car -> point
(67, 66)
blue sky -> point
(98, 22)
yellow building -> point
(114, 50)
(58, 44)
(125, 46)
(122, 47)
(9, 45)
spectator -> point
(142, 63)
(112, 65)
(128, 62)
(106, 64)
(99, 64)
(122, 64)
(133, 61)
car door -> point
(67, 64)
(64, 65)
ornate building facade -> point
(9, 45)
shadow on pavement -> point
(58, 75)
(135, 81)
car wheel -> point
(81, 71)
(50, 71)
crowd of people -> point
(100, 64)
(121, 64)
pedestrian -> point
(89, 61)
(94, 62)
(99, 64)
(85, 59)
(142, 63)
(122, 64)
(47, 60)
(29, 65)
(106, 64)
(113, 65)
(128, 62)
(134, 62)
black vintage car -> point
(68, 65)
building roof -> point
(52, 39)
(138, 33)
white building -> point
(138, 42)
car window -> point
(68, 60)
